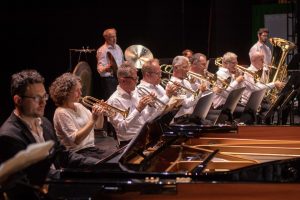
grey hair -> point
(180, 60)
(147, 66)
(228, 56)
(126, 69)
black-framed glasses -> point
(38, 98)
(132, 78)
(156, 73)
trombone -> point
(210, 77)
(157, 103)
(164, 82)
(90, 101)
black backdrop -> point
(39, 34)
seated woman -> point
(74, 124)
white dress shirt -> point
(127, 128)
(224, 74)
(103, 60)
(252, 86)
(160, 94)
(68, 121)
(260, 47)
(189, 101)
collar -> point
(149, 85)
(29, 123)
(110, 46)
(123, 93)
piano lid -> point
(149, 140)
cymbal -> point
(138, 54)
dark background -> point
(39, 34)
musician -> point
(151, 72)
(104, 61)
(257, 64)
(26, 125)
(126, 97)
(181, 66)
(228, 73)
(260, 45)
(74, 124)
(188, 53)
(199, 66)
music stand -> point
(203, 105)
(228, 107)
(253, 104)
(292, 84)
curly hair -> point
(61, 88)
(21, 80)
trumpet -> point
(90, 101)
(157, 103)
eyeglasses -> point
(156, 73)
(132, 78)
(38, 98)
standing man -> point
(260, 45)
(109, 57)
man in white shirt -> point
(260, 45)
(227, 73)
(181, 66)
(151, 82)
(109, 55)
(125, 97)
(257, 63)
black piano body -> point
(193, 162)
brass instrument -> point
(90, 101)
(192, 75)
(157, 103)
(166, 68)
(255, 75)
(278, 72)
(164, 82)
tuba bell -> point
(278, 72)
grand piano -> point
(193, 162)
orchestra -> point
(138, 112)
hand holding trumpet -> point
(146, 100)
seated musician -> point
(199, 66)
(151, 81)
(26, 125)
(74, 124)
(126, 96)
(257, 63)
(180, 68)
(227, 73)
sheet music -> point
(25, 158)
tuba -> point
(278, 72)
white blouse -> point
(68, 121)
